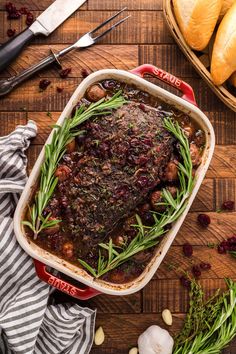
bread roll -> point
(197, 20)
(225, 7)
(223, 62)
(232, 79)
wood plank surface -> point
(143, 39)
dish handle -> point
(62, 285)
(170, 79)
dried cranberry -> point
(148, 142)
(85, 72)
(142, 107)
(43, 84)
(228, 205)
(24, 11)
(121, 149)
(221, 249)
(204, 220)
(187, 250)
(11, 32)
(196, 271)
(148, 218)
(121, 192)
(232, 247)
(29, 19)
(205, 266)
(104, 150)
(232, 240)
(185, 282)
(13, 15)
(65, 72)
(109, 84)
(60, 89)
(143, 160)
(142, 181)
(225, 244)
(10, 7)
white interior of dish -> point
(67, 268)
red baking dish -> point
(42, 258)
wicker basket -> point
(200, 60)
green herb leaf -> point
(210, 325)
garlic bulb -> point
(155, 340)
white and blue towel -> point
(28, 325)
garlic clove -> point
(133, 350)
(99, 336)
(155, 340)
(167, 317)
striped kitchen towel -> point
(27, 323)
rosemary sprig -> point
(148, 237)
(53, 154)
(214, 328)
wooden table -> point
(143, 39)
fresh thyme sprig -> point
(53, 154)
(215, 325)
(148, 237)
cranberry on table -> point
(43, 84)
(196, 271)
(29, 19)
(65, 72)
(205, 266)
(11, 32)
(228, 205)
(14, 15)
(227, 245)
(24, 11)
(85, 73)
(221, 249)
(204, 220)
(232, 240)
(187, 249)
(60, 89)
(185, 282)
(10, 7)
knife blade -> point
(55, 15)
(45, 24)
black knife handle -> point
(10, 50)
(7, 85)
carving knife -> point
(45, 24)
